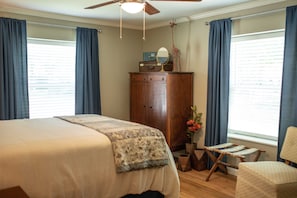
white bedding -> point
(53, 158)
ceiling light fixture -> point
(132, 7)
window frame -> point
(53, 42)
(242, 135)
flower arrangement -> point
(194, 124)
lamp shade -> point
(132, 7)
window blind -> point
(51, 74)
(255, 84)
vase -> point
(199, 160)
(190, 147)
(184, 162)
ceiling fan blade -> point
(151, 9)
(102, 4)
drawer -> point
(157, 78)
(148, 77)
(139, 77)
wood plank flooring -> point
(193, 185)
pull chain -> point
(143, 34)
(121, 23)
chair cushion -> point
(266, 179)
(271, 171)
(289, 148)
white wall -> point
(117, 57)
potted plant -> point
(194, 125)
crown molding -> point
(236, 8)
(77, 19)
(213, 13)
(220, 11)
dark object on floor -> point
(13, 192)
(147, 194)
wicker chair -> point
(270, 179)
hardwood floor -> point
(193, 185)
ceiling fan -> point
(135, 6)
(148, 8)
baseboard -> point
(232, 171)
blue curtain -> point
(288, 108)
(87, 87)
(14, 102)
(218, 82)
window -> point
(51, 73)
(256, 63)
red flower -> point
(197, 126)
(194, 123)
(190, 122)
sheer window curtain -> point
(14, 102)
(288, 108)
(218, 82)
(87, 87)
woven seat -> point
(270, 179)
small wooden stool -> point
(230, 149)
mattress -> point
(51, 157)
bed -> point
(73, 157)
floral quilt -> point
(135, 146)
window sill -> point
(252, 139)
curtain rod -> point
(254, 15)
(56, 25)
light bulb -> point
(132, 7)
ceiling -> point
(169, 10)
